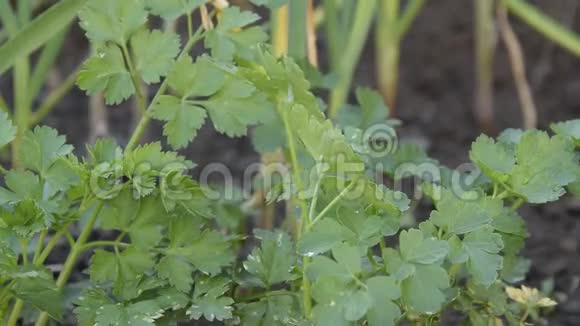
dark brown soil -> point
(435, 104)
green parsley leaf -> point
(172, 9)
(7, 130)
(183, 119)
(199, 79)
(270, 311)
(103, 266)
(483, 247)
(495, 159)
(325, 235)
(330, 295)
(208, 251)
(112, 20)
(177, 271)
(230, 36)
(383, 291)
(569, 129)
(345, 266)
(41, 148)
(21, 186)
(87, 305)
(42, 293)
(419, 250)
(418, 266)
(423, 291)
(143, 313)
(237, 106)
(154, 52)
(105, 71)
(460, 216)
(372, 110)
(273, 262)
(209, 300)
(544, 166)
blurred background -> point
(451, 70)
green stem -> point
(74, 254)
(371, 258)
(297, 24)
(104, 244)
(39, 245)
(314, 202)
(22, 106)
(146, 118)
(519, 202)
(547, 26)
(408, 16)
(5, 293)
(279, 23)
(134, 79)
(333, 203)
(15, 314)
(19, 304)
(455, 268)
(24, 11)
(46, 62)
(53, 99)
(283, 111)
(24, 249)
(333, 35)
(3, 170)
(388, 47)
(525, 316)
(189, 26)
(383, 246)
(49, 246)
(8, 18)
(485, 44)
(365, 12)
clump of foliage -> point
(171, 256)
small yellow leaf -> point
(529, 297)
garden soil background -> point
(435, 105)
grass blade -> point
(38, 32)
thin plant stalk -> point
(545, 25)
(517, 60)
(73, 256)
(22, 105)
(297, 24)
(365, 11)
(280, 43)
(388, 50)
(485, 44)
(392, 26)
(45, 63)
(146, 118)
(280, 23)
(8, 18)
(333, 35)
(408, 16)
(311, 49)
